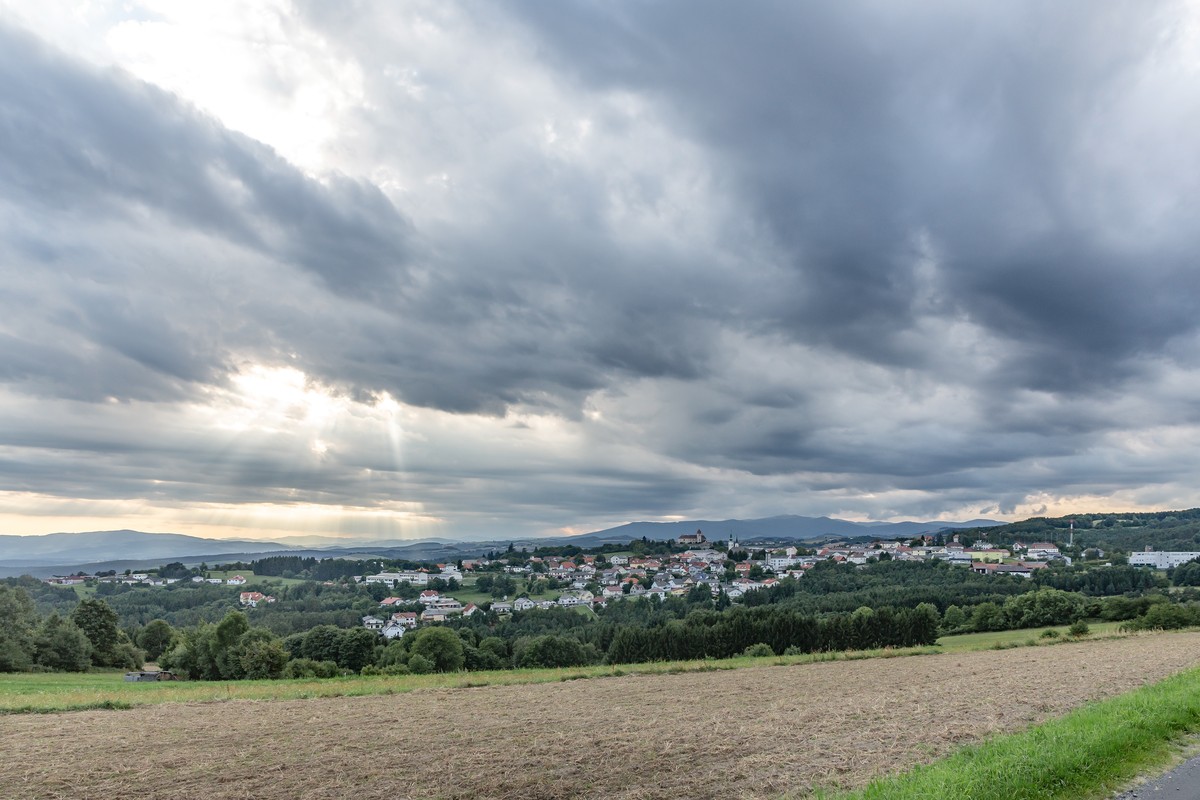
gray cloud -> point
(793, 258)
(78, 143)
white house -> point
(406, 618)
(1042, 550)
(781, 562)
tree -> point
(954, 620)
(441, 647)
(1187, 574)
(503, 586)
(17, 619)
(321, 643)
(110, 646)
(987, 617)
(357, 648)
(492, 653)
(60, 645)
(263, 658)
(924, 624)
(1043, 607)
(156, 638)
(226, 637)
(553, 651)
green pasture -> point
(51, 692)
(251, 578)
(990, 639)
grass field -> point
(59, 691)
(983, 641)
(250, 577)
(50, 692)
(759, 732)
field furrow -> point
(746, 733)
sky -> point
(494, 269)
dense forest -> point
(1121, 532)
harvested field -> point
(748, 733)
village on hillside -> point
(593, 581)
(726, 569)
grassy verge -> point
(1089, 753)
(51, 692)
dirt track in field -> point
(748, 733)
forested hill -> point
(1124, 531)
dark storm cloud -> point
(853, 128)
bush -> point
(1164, 617)
(758, 650)
(420, 665)
(395, 669)
(308, 668)
(1049, 633)
(1078, 628)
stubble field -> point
(747, 733)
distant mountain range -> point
(788, 526)
(101, 550)
(73, 548)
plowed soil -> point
(747, 733)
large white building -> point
(389, 578)
(1164, 559)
